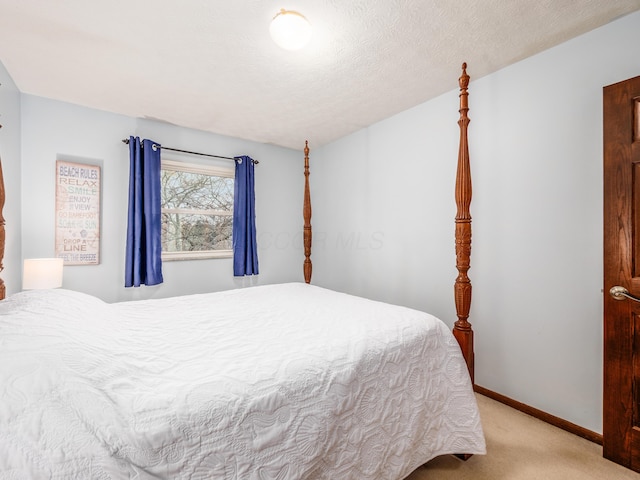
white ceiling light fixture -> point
(290, 29)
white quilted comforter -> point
(281, 382)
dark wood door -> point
(621, 413)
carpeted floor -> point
(520, 447)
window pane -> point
(196, 191)
(187, 233)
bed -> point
(287, 381)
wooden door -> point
(621, 413)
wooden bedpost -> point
(306, 213)
(462, 329)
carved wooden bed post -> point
(306, 213)
(462, 329)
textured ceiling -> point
(210, 64)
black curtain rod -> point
(126, 141)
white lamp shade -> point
(42, 273)
(290, 30)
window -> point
(197, 211)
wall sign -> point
(78, 213)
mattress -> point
(288, 381)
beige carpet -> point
(520, 447)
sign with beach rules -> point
(78, 213)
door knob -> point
(620, 293)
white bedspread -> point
(281, 382)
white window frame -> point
(197, 168)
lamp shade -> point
(290, 30)
(42, 273)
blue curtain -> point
(245, 248)
(143, 264)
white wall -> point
(10, 156)
(536, 263)
(56, 130)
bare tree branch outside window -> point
(197, 208)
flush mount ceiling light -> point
(290, 30)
